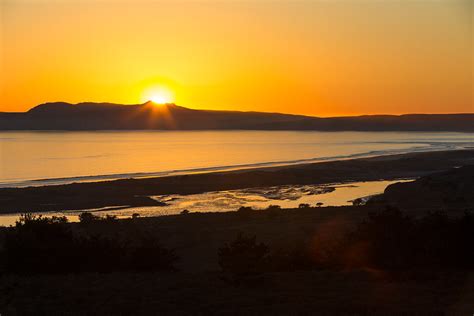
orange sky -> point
(324, 58)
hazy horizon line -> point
(243, 111)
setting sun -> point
(159, 95)
(160, 99)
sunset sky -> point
(310, 57)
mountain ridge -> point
(150, 116)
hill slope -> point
(108, 116)
(445, 190)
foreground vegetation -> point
(39, 244)
(343, 260)
(388, 240)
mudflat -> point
(137, 192)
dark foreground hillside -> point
(301, 292)
(449, 189)
(342, 260)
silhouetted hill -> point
(445, 190)
(109, 116)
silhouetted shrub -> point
(135, 215)
(147, 254)
(273, 208)
(31, 220)
(242, 259)
(304, 205)
(98, 254)
(184, 212)
(392, 240)
(319, 204)
(245, 209)
(37, 243)
(383, 240)
(87, 218)
(245, 212)
(388, 240)
(110, 218)
(47, 245)
(295, 259)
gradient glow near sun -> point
(159, 95)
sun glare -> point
(159, 95)
(160, 99)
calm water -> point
(37, 158)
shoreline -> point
(24, 183)
(285, 196)
(137, 192)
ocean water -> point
(42, 158)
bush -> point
(388, 240)
(87, 218)
(147, 254)
(135, 215)
(38, 243)
(394, 241)
(245, 209)
(110, 218)
(47, 245)
(31, 220)
(273, 208)
(296, 259)
(243, 258)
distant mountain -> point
(149, 116)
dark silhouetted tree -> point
(87, 218)
(242, 258)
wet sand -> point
(287, 196)
(137, 192)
